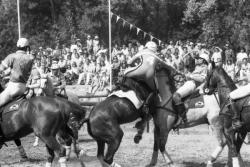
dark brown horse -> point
(107, 116)
(105, 119)
(45, 116)
(219, 79)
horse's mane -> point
(226, 78)
(141, 89)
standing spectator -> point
(171, 46)
(230, 68)
(96, 44)
(125, 50)
(73, 46)
(177, 60)
(89, 44)
(217, 57)
(116, 50)
(139, 46)
(244, 71)
(229, 54)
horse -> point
(45, 116)
(219, 79)
(48, 90)
(105, 119)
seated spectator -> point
(62, 64)
(244, 71)
(75, 70)
(95, 84)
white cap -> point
(22, 42)
(151, 46)
(205, 57)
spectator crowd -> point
(88, 62)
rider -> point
(144, 71)
(194, 79)
(58, 80)
(20, 64)
(238, 93)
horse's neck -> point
(226, 86)
(165, 87)
(49, 88)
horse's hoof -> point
(209, 165)
(48, 164)
(24, 159)
(137, 138)
(115, 165)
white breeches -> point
(13, 89)
(188, 88)
(240, 92)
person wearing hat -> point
(194, 79)
(58, 80)
(217, 57)
(229, 53)
(89, 44)
(20, 64)
(96, 44)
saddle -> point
(12, 105)
(195, 100)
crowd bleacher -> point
(88, 62)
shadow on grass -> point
(195, 164)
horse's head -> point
(212, 79)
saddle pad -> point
(130, 95)
(196, 102)
(12, 106)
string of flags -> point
(131, 26)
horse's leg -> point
(239, 142)
(53, 144)
(154, 158)
(50, 156)
(113, 145)
(218, 132)
(100, 150)
(21, 150)
(233, 159)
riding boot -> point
(145, 117)
(236, 123)
(181, 111)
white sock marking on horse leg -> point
(115, 165)
(68, 151)
(48, 164)
(62, 162)
(236, 162)
(167, 157)
(217, 152)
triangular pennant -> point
(117, 18)
(124, 22)
(138, 30)
(130, 26)
(151, 38)
(145, 34)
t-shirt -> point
(20, 64)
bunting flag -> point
(124, 22)
(130, 26)
(117, 18)
(138, 30)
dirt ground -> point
(191, 148)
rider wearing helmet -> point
(58, 80)
(20, 64)
(194, 79)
